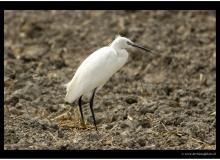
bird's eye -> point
(129, 43)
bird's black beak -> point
(140, 47)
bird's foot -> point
(83, 125)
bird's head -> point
(121, 42)
(125, 43)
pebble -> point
(60, 133)
(31, 91)
(150, 147)
(59, 64)
(15, 111)
(128, 142)
(54, 126)
(44, 124)
(124, 125)
(64, 146)
(98, 109)
(9, 54)
(33, 52)
(148, 108)
(34, 122)
(94, 137)
(53, 108)
(13, 100)
(99, 119)
(131, 100)
(141, 142)
(109, 126)
(211, 140)
(145, 123)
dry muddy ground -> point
(156, 101)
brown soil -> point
(156, 101)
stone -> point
(141, 142)
(14, 100)
(60, 133)
(30, 91)
(131, 100)
(148, 108)
(145, 123)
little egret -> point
(96, 70)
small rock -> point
(98, 109)
(9, 54)
(214, 124)
(99, 119)
(34, 52)
(109, 126)
(141, 142)
(53, 108)
(34, 122)
(150, 147)
(211, 140)
(183, 139)
(30, 91)
(124, 125)
(37, 101)
(12, 75)
(54, 126)
(43, 124)
(179, 93)
(14, 100)
(94, 137)
(59, 63)
(139, 129)
(60, 133)
(178, 120)
(194, 101)
(64, 146)
(148, 108)
(107, 102)
(15, 111)
(19, 106)
(145, 123)
(131, 100)
(114, 117)
(167, 90)
(125, 133)
(128, 143)
(117, 133)
(189, 112)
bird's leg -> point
(91, 107)
(80, 109)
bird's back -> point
(94, 71)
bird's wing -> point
(94, 71)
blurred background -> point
(161, 101)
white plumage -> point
(96, 69)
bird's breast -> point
(122, 57)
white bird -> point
(96, 70)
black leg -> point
(91, 107)
(80, 109)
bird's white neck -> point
(115, 45)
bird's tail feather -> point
(71, 95)
(66, 85)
